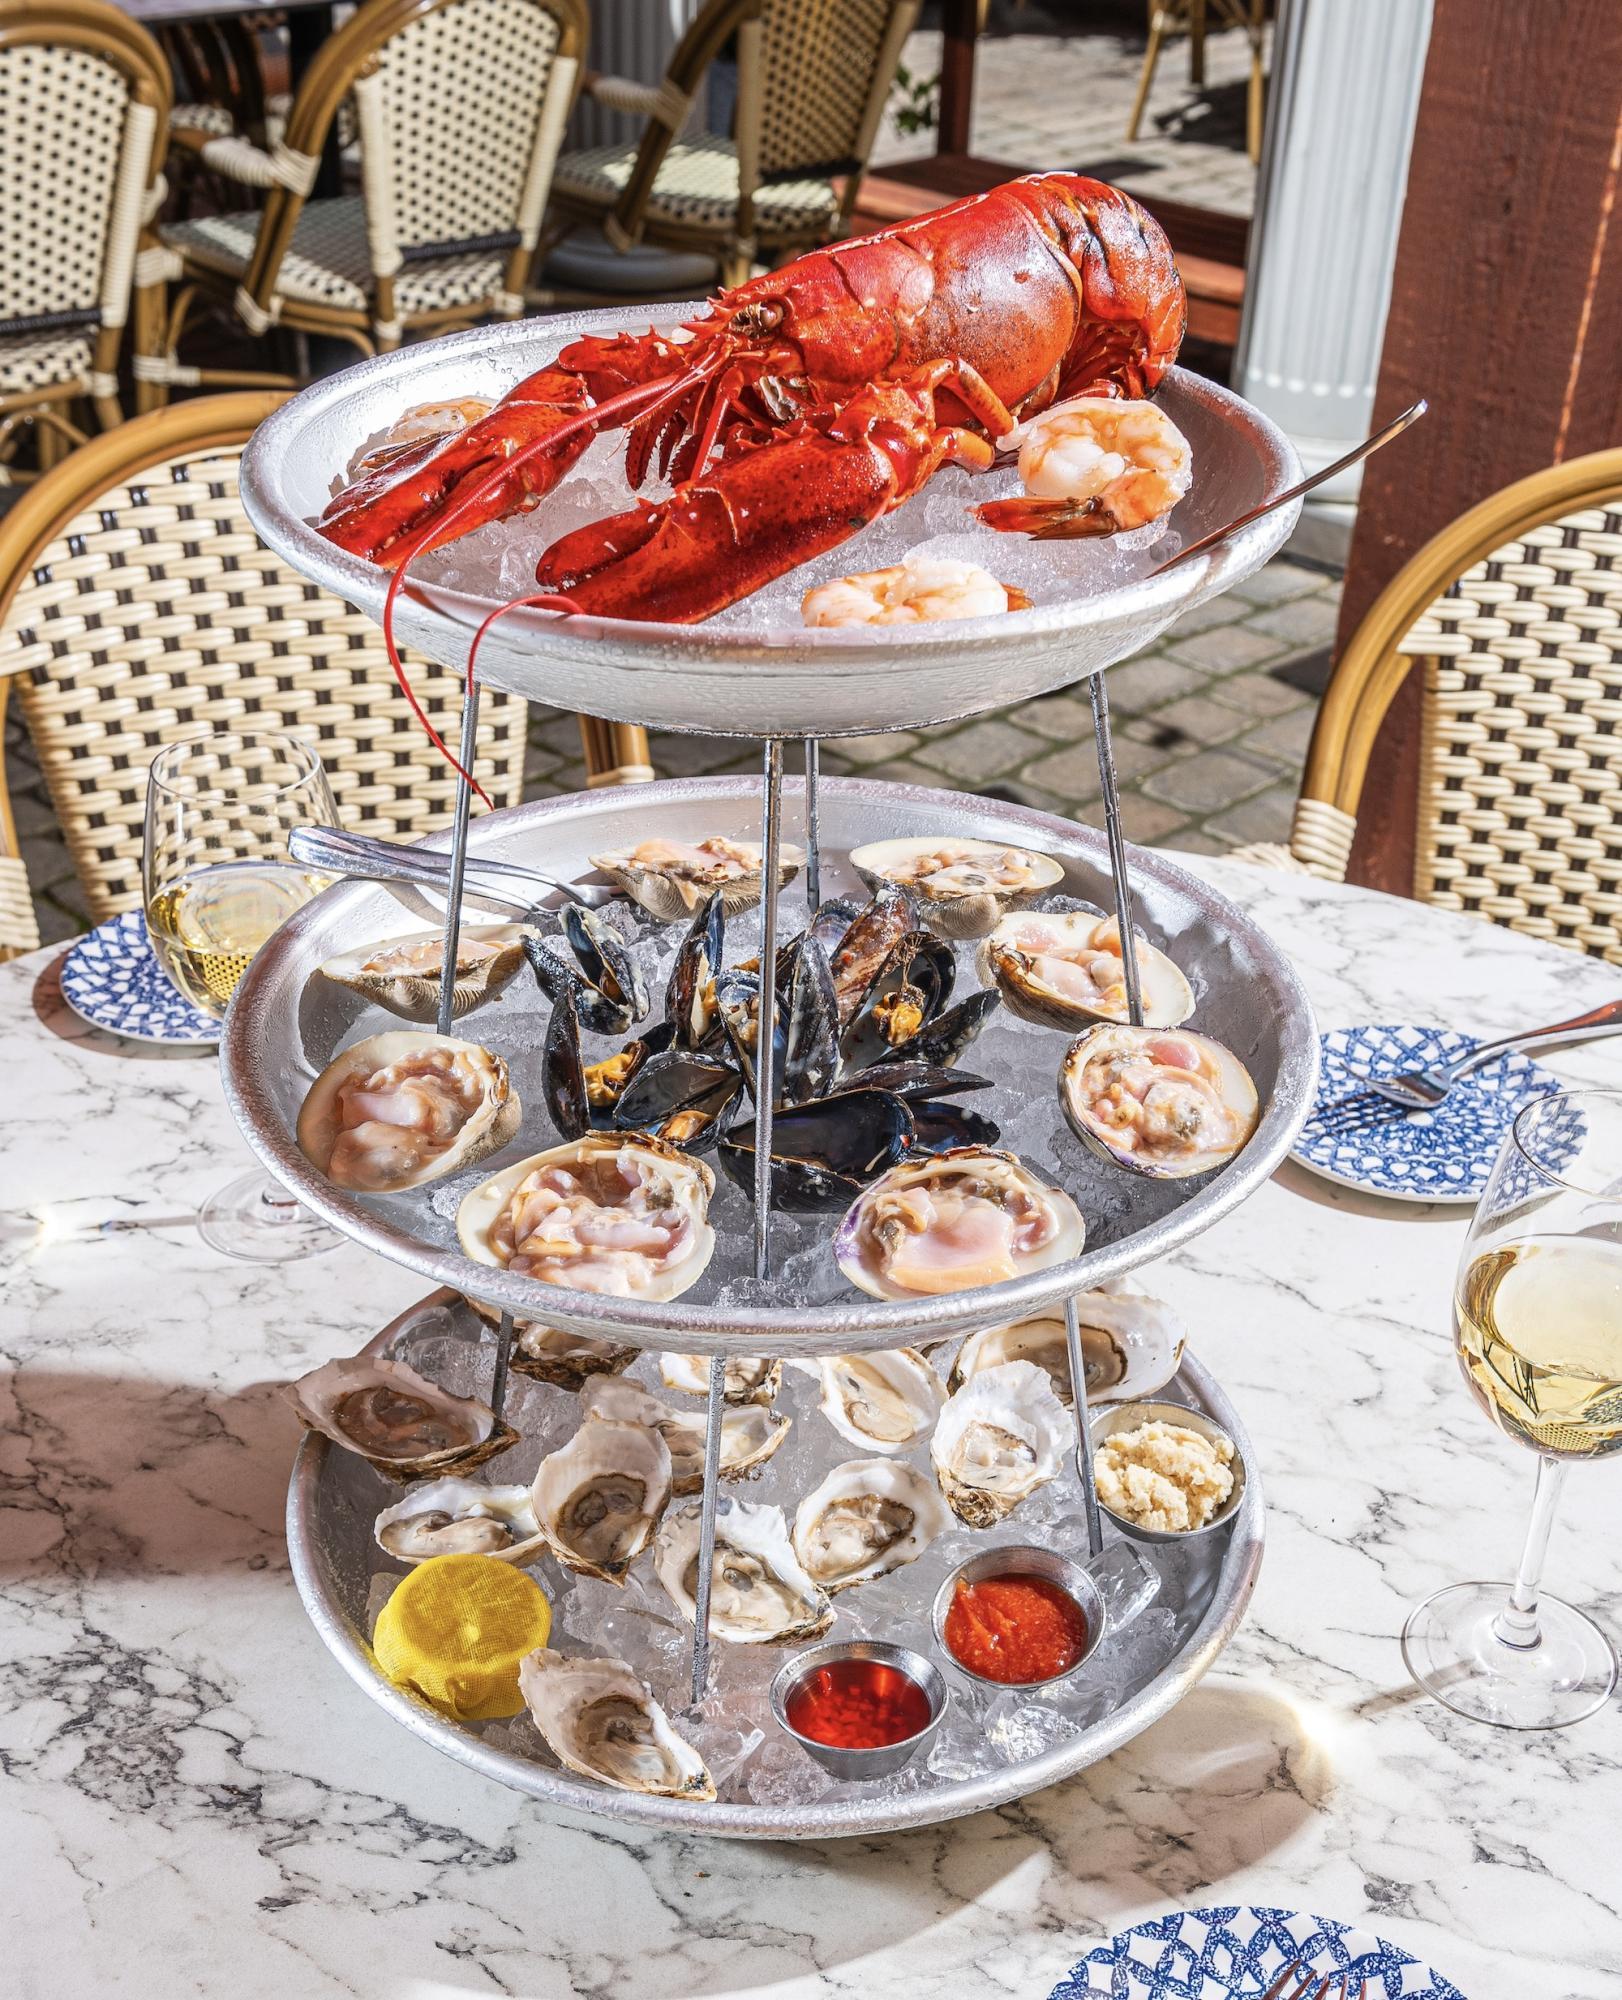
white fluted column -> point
(1344, 95)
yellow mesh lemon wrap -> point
(455, 1630)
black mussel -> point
(555, 975)
(830, 921)
(606, 1080)
(690, 995)
(563, 1070)
(811, 1028)
(679, 1095)
(939, 1128)
(737, 997)
(908, 992)
(916, 1081)
(874, 933)
(949, 1034)
(823, 1154)
(605, 960)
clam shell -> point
(319, 1399)
(598, 1498)
(1004, 1434)
(599, 1720)
(413, 993)
(490, 1126)
(868, 1517)
(955, 912)
(463, 1500)
(1166, 995)
(760, 1594)
(1228, 1074)
(672, 895)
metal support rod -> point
(771, 815)
(1084, 1432)
(1117, 850)
(464, 808)
(504, 1351)
(813, 845)
(706, 1527)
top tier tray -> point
(286, 1024)
(770, 676)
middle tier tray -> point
(287, 1023)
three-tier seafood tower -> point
(780, 1170)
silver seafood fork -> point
(1333, 1985)
(1424, 1089)
(335, 851)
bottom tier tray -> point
(988, 1751)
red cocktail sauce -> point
(857, 1705)
(1015, 1628)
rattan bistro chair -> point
(84, 100)
(674, 216)
(1513, 616)
(459, 109)
(137, 607)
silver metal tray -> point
(286, 1024)
(754, 680)
(333, 1498)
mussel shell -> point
(915, 1081)
(831, 920)
(687, 996)
(941, 1128)
(605, 961)
(563, 1072)
(640, 1049)
(678, 1082)
(811, 1032)
(554, 975)
(945, 1038)
(823, 1154)
(737, 997)
(908, 992)
(873, 934)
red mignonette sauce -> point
(1015, 1628)
(857, 1705)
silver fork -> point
(335, 851)
(1424, 1089)
(1333, 1985)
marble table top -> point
(197, 1801)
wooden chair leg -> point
(1159, 15)
(1256, 103)
(617, 753)
(1196, 44)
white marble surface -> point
(198, 1802)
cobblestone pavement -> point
(1211, 728)
(1060, 99)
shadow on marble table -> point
(57, 1018)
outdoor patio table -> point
(199, 1800)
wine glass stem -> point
(283, 1208)
(1517, 1624)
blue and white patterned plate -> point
(1363, 1141)
(1231, 1953)
(112, 979)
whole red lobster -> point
(805, 403)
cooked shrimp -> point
(1096, 465)
(914, 592)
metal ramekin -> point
(1113, 1417)
(886, 1757)
(1023, 1559)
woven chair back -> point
(819, 60)
(82, 94)
(151, 612)
(1520, 808)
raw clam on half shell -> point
(400, 1109)
(868, 1517)
(1131, 1346)
(598, 1498)
(403, 974)
(954, 1221)
(396, 1419)
(1159, 1102)
(1004, 1434)
(621, 1216)
(599, 1720)
(963, 886)
(759, 1593)
(459, 1517)
(750, 1432)
(1063, 969)
(670, 878)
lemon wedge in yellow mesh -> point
(455, 1630)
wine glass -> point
(217, 881)
(1537, 1322)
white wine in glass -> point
(218, 882)
(1537, 1324)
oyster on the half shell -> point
(403, 974)
(403, 1108)
(598, 1498)
(748, 1378)
(868, 1517)
(884, 1400)
(999, 1438)
(759, 1593)
(459, 1517)
(554, 1354)
(1160, 1102)
(1131, 1346)
(750, 1432)
(396, 1419)
(599, 1720)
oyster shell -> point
(554, 1354)
(1000, 1437)
(1063, 969)
(547, 1217)
(885, 1400)
(749, 1378)
(396, 1419)
(963, 887)
(759, 1594)
(671, 878)
(750, 1432)
(400, 1109)
(598, 1497)
(868, 1517)
(403, 974)
(1160, 1102)
(599, 1720)
(459, 1517)
(951, 1221)
(1131, 1346)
